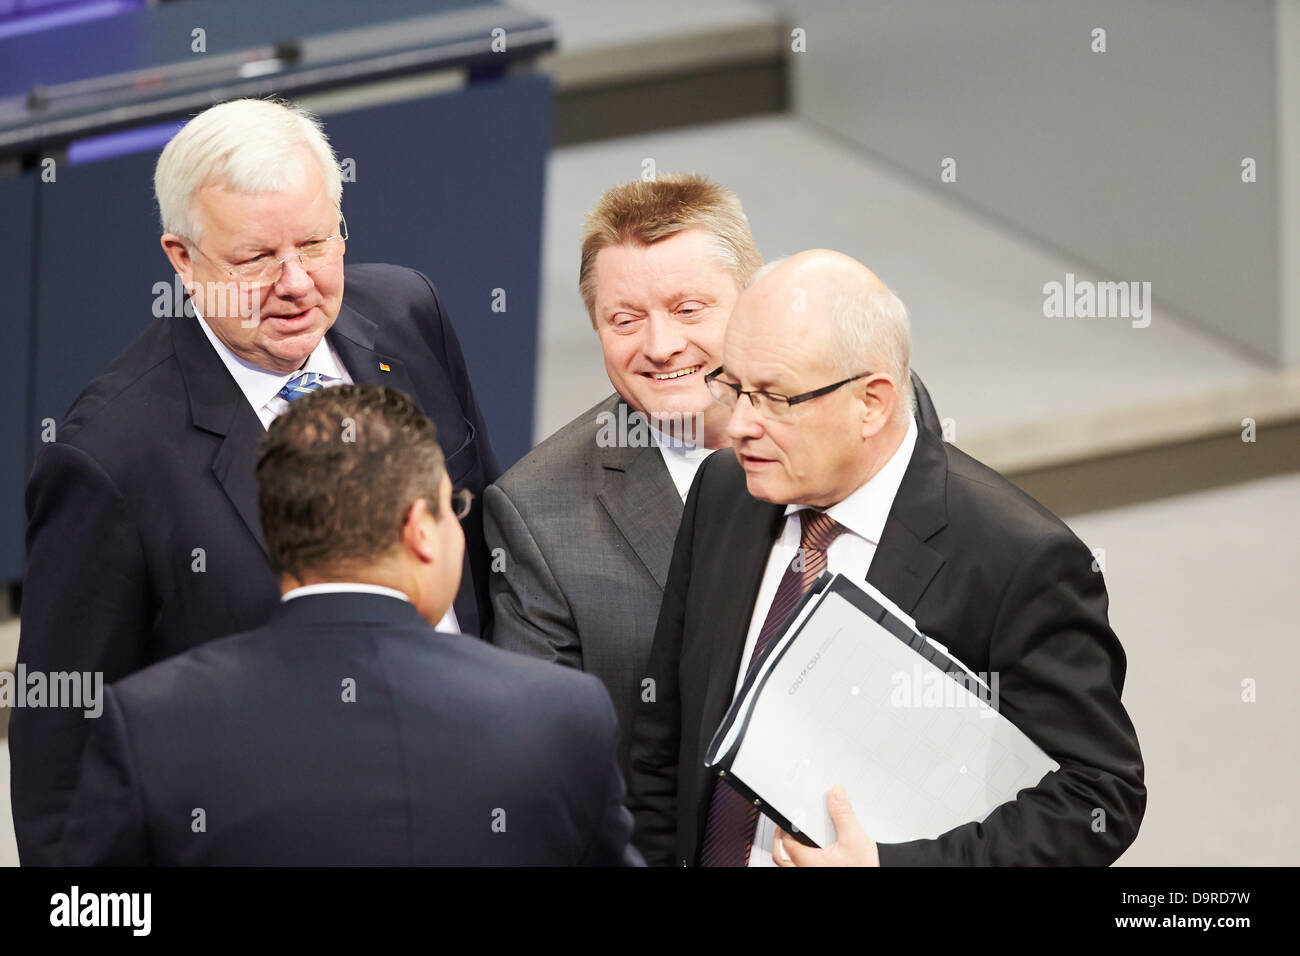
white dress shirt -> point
(340, 587)
(863, 513)
(261, 388)
(683, 460)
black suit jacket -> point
(347, 730)
(143, 535)
(588, 528)
(986, 571)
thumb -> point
(841, 811)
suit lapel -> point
(639, 496)
(741, 550)
(353, 337)
(904, 564)
(219, 407)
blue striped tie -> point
(304, 383)
(732, 820)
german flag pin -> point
(383, 367)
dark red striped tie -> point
(729, 831)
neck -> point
(379, 577)
(884, 446)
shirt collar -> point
(339, 587)
(865, 511)
(260, 385)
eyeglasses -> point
(462, 499)
(768, 404)
(266, 269)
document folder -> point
(850, 692)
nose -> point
(663, 339)
(744, 422)
(294, 281)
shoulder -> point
(143, 383)
(196, 679)
(509, 688)
(984, 506)
(564, 457)
(378, 284)
(720, 484)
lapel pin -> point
(383, 367)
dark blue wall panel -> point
(17, 218)
(452, 185)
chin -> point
(684, 406)
(296, 348)
(761, 491)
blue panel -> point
(452, 185)
(99, 259)
(17, 213)
(155, 35)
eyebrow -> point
(251, 247)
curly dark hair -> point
(338, 474)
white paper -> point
(852, 704)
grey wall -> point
(1129, 160)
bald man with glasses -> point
(830, 470)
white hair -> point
(250, 146)
(870, 332)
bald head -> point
(820, 273)
(841, 304)
(811, 321)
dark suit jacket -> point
(986, 571)
(587, 535)
(143, 536)
(448, 752)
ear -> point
(879, 395)
(418, 538)
(178, 254)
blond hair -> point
(646, 212)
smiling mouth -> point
(670, 376)
(292, 318)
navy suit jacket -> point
(347, 730)
(143, 535)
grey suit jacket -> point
(586, 536)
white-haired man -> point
(143, 533)
(831, 473)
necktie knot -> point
(304, 383)
(819, 529)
